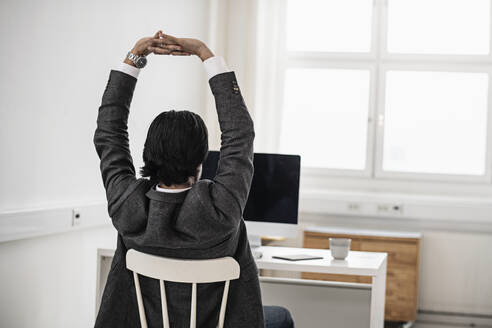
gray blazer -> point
(201, 223)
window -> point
(322, 108)
(435, 122)
(386, 88)
(444, 26)
(314, 25)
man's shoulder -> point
(135, 196)
(141, 186)
(201, 190)
(213, 193)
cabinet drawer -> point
(316, 242)
(398, 253)
(336, 277)
(323, 242)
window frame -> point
(378, 61)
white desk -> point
(357, 263)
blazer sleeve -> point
(111, 139)
(235, 168)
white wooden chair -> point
(185, 271)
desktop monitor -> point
(273, 202)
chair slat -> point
(223, 305)
(165, 316)
(141, 309)
(193, 306)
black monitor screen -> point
(274, 193)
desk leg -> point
(99, 279)
(378, 294)
(103, 268)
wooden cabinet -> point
(403, 265)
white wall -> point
(51, 281)
(57, 56)
(456, 269)
(56, 59)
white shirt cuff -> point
(215, 65)
(129, 69)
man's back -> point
(178, 225)
(202, 222)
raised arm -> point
(111, 138)
(111, 135)
(235, 168)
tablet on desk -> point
(297, 257)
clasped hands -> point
(164, 44)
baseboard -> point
(445, 319)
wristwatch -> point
(139, 61)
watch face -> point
(141, 62)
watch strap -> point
(137, 60)
(132, 57)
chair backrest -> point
(186, 271)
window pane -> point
(436, 122)
(439, 26)
(329, 25)
(325, 117)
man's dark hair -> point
(177, 143)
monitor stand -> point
(255, 244)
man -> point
(174, 213)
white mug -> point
(340, 247)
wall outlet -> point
(76, 217)
(389, 209)
(353, 207)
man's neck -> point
(175, 186)
(187, 184)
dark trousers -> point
(277, 317)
